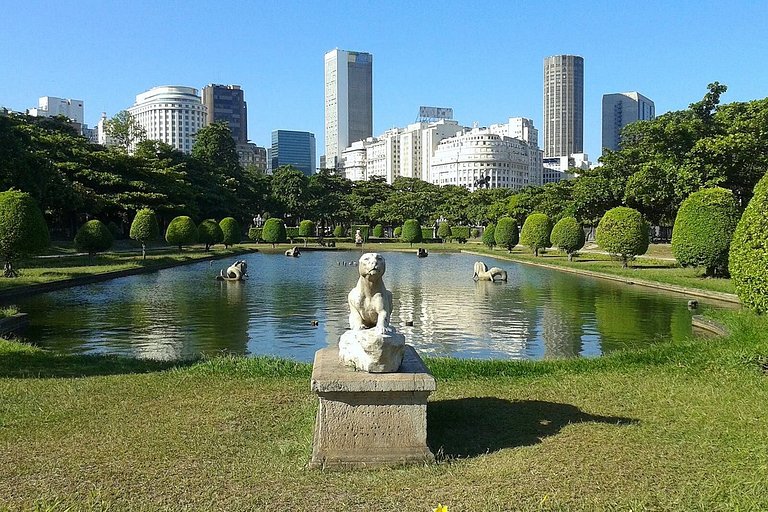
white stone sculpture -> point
(236, 272)
(483, 273)
(371, 344)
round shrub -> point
(339, 231)
(411, 231)
(703, 230)
(274, 231)
(306, 229)
(623, 232)
(535, 232)
(748, 261)
(23, 230)
(144, 229)
(444, 230)
(93, 237)
(506, 234)
(209, 233)
(568, 236)
(489, 238)
(475, 233)
(378, 231)
(231, 230)
(398, 232)
(181, 231)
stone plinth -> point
(370, 420)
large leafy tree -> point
(365, 195)
(124, 130)
(290, 191)
(327, 194)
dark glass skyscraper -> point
(227, 103)
(293, 148)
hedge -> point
(748, 261)
(506, 234)
(254, 234)
(535, 233)
(568, 236)
(623, 232)
(292, 232)
(460, 232)
(426, 234)
(489, 239)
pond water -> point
(183, 312)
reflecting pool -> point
(183, 312)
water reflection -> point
(182, 312)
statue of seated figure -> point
(236, 272)
(483, 273)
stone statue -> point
(483, 273)
(294, 252)
(358, 238)
(236, 272)
(371, 344)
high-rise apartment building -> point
(226, 103)
(621, 109)
(563, 105)
(171, 114)
(50, 106)
(293, 148)
(348, 101)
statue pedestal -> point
(370, 420)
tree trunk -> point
(143, 251)
(570, 256)
(536, 252)
(9, 271)
(623, 262)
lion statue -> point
(370, 303)
(236, 272)
(483, 273)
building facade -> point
(563, 105)
(171, 114)
(50, 106)
(226, 103)
(293, 148)
(621, 109)
(348, 101)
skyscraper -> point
(227, 103)
(621, 109)
(563, 105)
(348, 101)
(293, 148)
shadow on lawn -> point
(469, 427)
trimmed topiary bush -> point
(274, 231)
(475, 233)
(398, 232)
(462, 232)
(254, 234)
(231, 230)
(568, 236)
(144, 229)
(181, 231)
(339, 231)
(306, 229)
(623, 233)
(703, 230)
(411, 232)
(426, 233)
(489, 238)
(506, 234)
(378, 231)
(535, 233)
(444, 230)
(209, 233)
(93, 237)
(23, 230)
(748, 262)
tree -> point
(623, 232)
(124, 130)
(23, 230)
(489, 236)
(568, 236)
(181, 231)
(144, 229)
(231, 231)
(209, 233)
(397, 232)
(411, 231)
(274, 231)
(536, 231)
(339, 231)
(444, 230)
(703, 230)
(93, 237)
(748, 261)
(505, 234)
(378, 231)
(306, 229)
(290, 190)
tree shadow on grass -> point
(469, 427)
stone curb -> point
(723, 297)
(706, 324)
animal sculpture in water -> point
(236, 272)
(483, 273)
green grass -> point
(7, 311)
(678, 426)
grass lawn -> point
(679, 426)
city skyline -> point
(670, 57)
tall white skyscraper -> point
(621, 109)
(563, 105)
(348, 101)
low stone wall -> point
(706, 324)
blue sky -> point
(483, 58)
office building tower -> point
(293, 148)
(50, 106)
(226, 103)
(621, 109)
(348, 101)
(171, 114)
(563, 105)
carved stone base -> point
(369, 351)
(370, 420)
